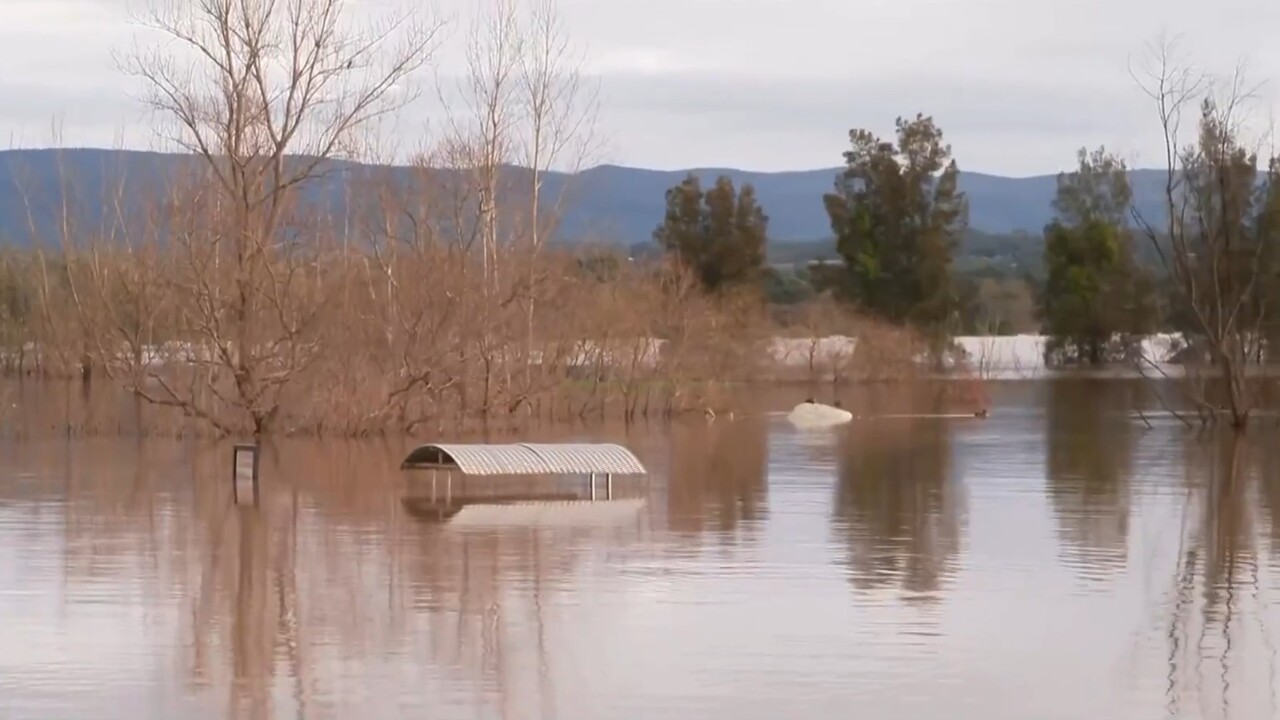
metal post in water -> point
(244, 474)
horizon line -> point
(600, 166)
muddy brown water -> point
(1056, 560)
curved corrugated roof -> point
(527, 459)
(597, 457)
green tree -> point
(786, 287)
(898, 215)
(1096, 301)
(1227, 244)
(719, 234)
(1265, 305)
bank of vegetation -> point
(230, 293)
(226, 297)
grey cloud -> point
(88, 115)
(997, 126)
(1017, 85)
(973, 105)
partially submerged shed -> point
(522, 459)
(525, 459)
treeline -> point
(1099, 278)
(445, 303)
(899, 221)
(896, 213)
(978, 253)
(227, 301)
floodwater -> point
(1056, 560)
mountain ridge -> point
(609, 202)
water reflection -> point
(1267, 464)
(899, 508)
(369, 585)
(132, 587)
(1089, 463)
(45, 409)
(717, 476)
(1221, 656)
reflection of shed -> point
(516, 459)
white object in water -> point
(814, 415)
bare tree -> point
(1220, 230)
(480, 136)
(524, 109)
(559, 112)
(268, 95)
(559, 109)
(822, 330)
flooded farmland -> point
(1055, 560)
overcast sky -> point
(1017, 85)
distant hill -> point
(609, 203)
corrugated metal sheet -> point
(527, 459)
(492, 459)
(597, 457)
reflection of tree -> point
(119, 507)
(245, 609)
(1217, 590)
(158, 517)
(1088, 467)
(922, 397)
(717, 475)
(56, 409)
(483, 598)
(273, 606)
(1266, 459)
(251, 629)
(1226, 532)
(154, 520)
(898, 507)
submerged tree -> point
(265, 96)
(16, 307)
(1096, 300)
(1220, 236)
(898, 214)
(719, 235)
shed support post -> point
(608, 478)
(591, 481)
